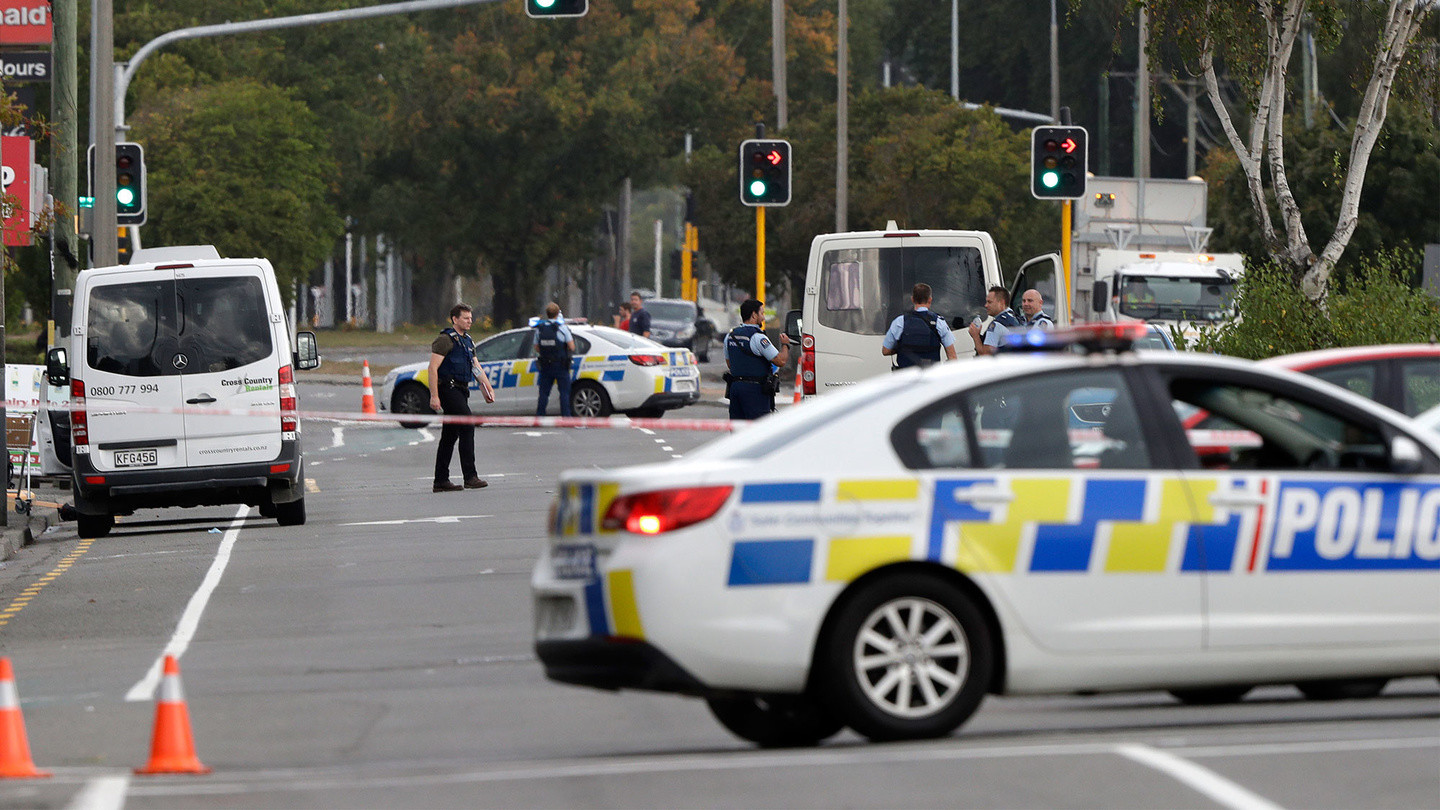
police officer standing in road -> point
(554, 345)
(452, 366)
(997, 304)
(1032, 307)
(751, 358)
(916, 337)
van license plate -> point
(136, 458)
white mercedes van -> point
(182, 390)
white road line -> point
(337, 437)
(647, 431)
(667, 449)
(190, 619)
(442, 519)
(101, 793)
(1202, 779)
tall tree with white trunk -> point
(1252, 42)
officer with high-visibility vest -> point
(554, 346)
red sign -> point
(17, 155)
(26, 22)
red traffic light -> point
(1069, 145)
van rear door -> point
(231, 338)
(129, 374)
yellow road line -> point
(18, 603)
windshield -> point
(1176, 299)
(863, 289)
(670, 310)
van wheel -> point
(1349, 689)
(411, 397)
(267, 508)
(291, 514)
(907, 657)
(92, 526)
(588, 399)
(1211, 695)
(775, 721)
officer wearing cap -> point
(916, 337)
(752, 360)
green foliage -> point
(242, 166)
(1375, 304)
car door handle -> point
(205, 400)
(1236, 499)
(984, 495)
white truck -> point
(1169, 289)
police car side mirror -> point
(57, 366)
(1405, 455)
(1100, 296)
(307, 351)
(793, 326)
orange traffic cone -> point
(14, 748)
(799, 385)
(172, 749)
(367, 394)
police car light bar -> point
(1089, 338)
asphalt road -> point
(380, 656)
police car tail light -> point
(807, 364)
(79, 422)
(648, 359)
(288, 400)
(664, 510)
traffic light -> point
(129, 184)
(765, 172)
(1057, 163)
(557, 8)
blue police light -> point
(1084, 338)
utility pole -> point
(842, 122)
(777, 48)
(102, 131)
(65, 259)
(1142, 99)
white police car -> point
(611, 371)
(885, 557)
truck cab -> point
(1169, 289)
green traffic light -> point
(1050, 179)
(125, 196)
(544, 4)
(757, 188)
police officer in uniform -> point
(1032, 310)
(916, 337)
(452, 366)
(554, 345)
(997, 304)
(752, 358)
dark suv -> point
(679, 323)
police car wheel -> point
(1211, 695)
(587, 399)
(908, 657)
(411, 397)
(775, 721)
(1348, 689)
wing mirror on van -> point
(307, 351)
(1100, 296)
(57, 366)
(793, 326)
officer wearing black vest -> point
(915, 338)
(751, 358)
(452, 366)
(554, 346)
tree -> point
(1255, 42)
(242, 166)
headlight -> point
(686, 331)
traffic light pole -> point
(1065, 236)
(760, 253)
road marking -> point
(18, 603)
(1213, 785)
(102, 793)
(667, 448)
(144, 689)
(337, 437)
(311, 486)
(442, 519)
